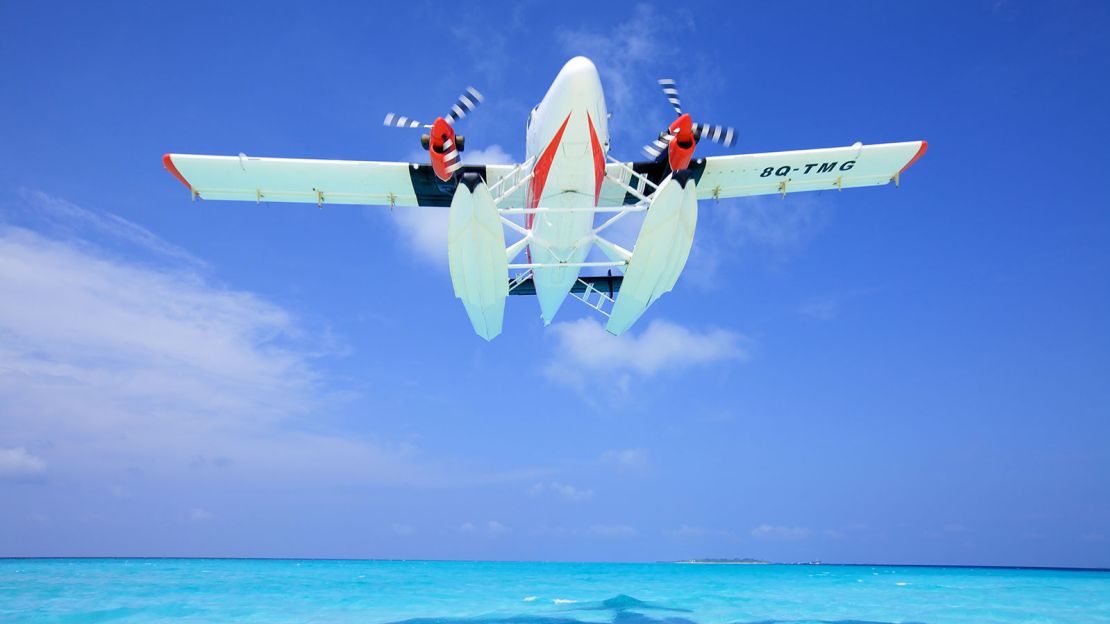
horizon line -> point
(675, 561)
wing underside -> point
(246, 178)
(774, 173)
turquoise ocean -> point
(426, 592)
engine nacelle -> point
(443, 148)
(680, 151)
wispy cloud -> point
(612, 530)
(583, 347)
(16, 464)
(490, 527)
(492, 155)
(561, 490)
(424, 229)
(404, 530)
(780, 532)
(687, 531)
(764, 230)
(106, 362)
(628, 57)
(820, 308)
(67, 220)
(828, 307)
(626, 460)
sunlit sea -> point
(421, 592)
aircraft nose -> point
(580, 69)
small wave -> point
(529, 598)
(901, 583)
(564, 601)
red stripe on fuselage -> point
(539, 178)
(540, 171)
(599, 160)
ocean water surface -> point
(425, 592)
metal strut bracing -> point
(629, 180)
(511, 182)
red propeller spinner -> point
(441, 142)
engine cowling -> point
(443, 149)
(680, 151)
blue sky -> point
(884, 375)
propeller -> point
(467, 102)
(714, 132)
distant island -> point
(743, 561)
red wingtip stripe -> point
(167, 162)
(919, 154)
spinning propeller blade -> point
(724, 135)
(670, 89)
(718, 134)
(467, 102)
(400, 121)
(658, 146)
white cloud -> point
(628, 60)
(68, 219)
(486, 55)
(690, 531)
(781, 224)
(562, 490)
(424, 228)
(687, 531)
(16, 464)
(780, 532)
(762, 229)
(492, 155)
(107, 363)
(612, 530)
(626, 459)
(491, 527)
(197, 514)
(820, 308)
(585, 347)
(424, 231)
(404, 530)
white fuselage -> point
(568, 135)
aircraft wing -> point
(248, 178)
(773, 173)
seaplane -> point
(557, 203)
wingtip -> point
(920, 152)
(167, 162)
